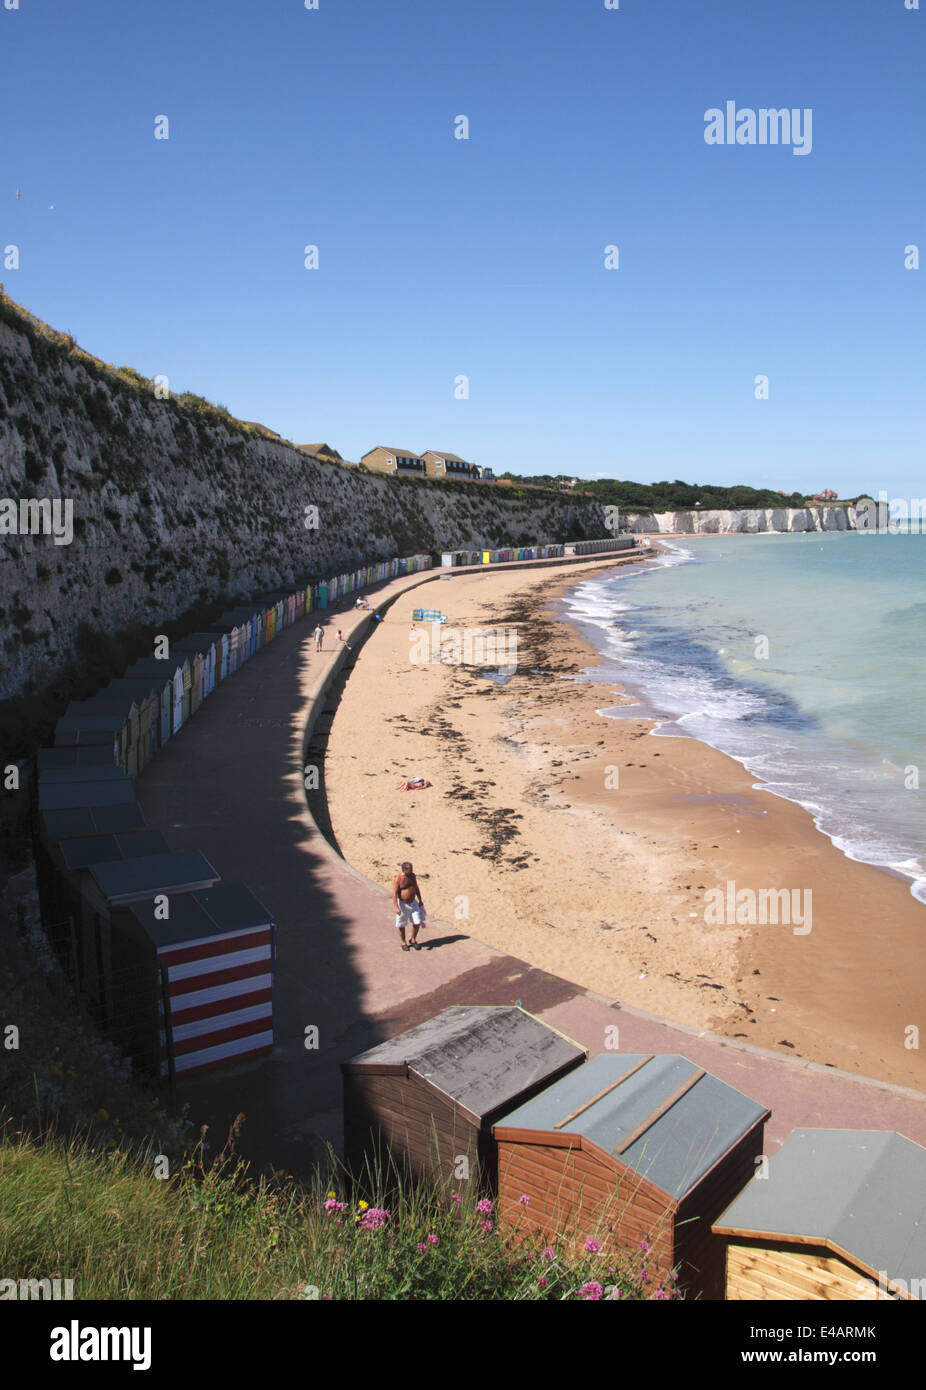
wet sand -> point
(589, 848)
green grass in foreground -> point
(103, 1220)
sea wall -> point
(175, 505)
(785, 519)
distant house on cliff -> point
(828, 495)
(440, 464)
(323, 451)
(383, 459)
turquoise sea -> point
(802, 656)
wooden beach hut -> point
(121, 700)
(633, 1148)
(840, 1215)
(63, 873)
(94, 730)
(71, 822)
(215, 957)
(161, 673)
(114, 983)
(430, 1096)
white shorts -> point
(410, 913)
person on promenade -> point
(409, 909)
(319, 635)
(341, 640)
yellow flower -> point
(330, 1194)
(362, 1206)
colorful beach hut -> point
(430, 1096)
(161, 673)
(632, 1148)
(215, 956)
(839, 1215)
(116, 983)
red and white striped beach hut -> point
(216, 956)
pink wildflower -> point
(524, 1200)
(549, 1253)
(374, 1218)
(455, 1197)
(541, 1282)
(660, 1293)
(484, 1206)
(592, 1245)
(433, 1240)
(485, 1227)
(644, 1246)
(421, 1245)
(332, 1205)
(591, 1291)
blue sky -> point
(485, 257)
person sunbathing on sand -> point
(413, 784)
(406, 898)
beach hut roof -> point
(234, 617)
(88, 728)
(664, 1117)
(196, 642)
(107, 772)
(95, 756)
(80, 853)
(129, 880)
(118, 696)
(481, 1056)
(92, 820)
(859, 1192)
(162, 668)
(58, 795)
(221, 910)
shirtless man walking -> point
(409, 908)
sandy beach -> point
(589, 848)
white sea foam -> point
(830, 720)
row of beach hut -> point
(497, 557)
(640, 1152)
(535, 552)
(173, 962)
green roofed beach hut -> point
(431, 1095)
(632, 1148)
(840, 1215)
(62, 868)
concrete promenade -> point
(231, 785)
